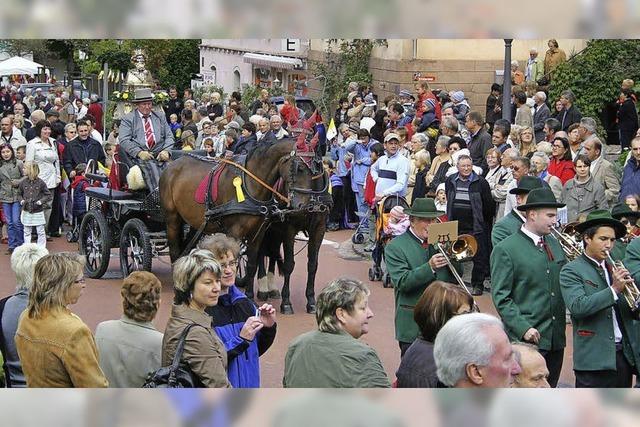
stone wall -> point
(473, 77)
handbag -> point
(178, 374)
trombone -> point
(566, 236)
(631, 293)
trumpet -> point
(568, 239)
(630, 293)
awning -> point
(272, 61)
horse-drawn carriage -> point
(131, 221)
(242, 197)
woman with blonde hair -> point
(527, 142)
(55, 346)
(196, 283)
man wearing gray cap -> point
(391, 171)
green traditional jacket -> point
(525, 289)
(505, 227)
(407, 264)
(590, 300)
(632, 259)
(618, 250)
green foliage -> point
(250, 93)
(201, 90)
(181, 62)
(345, 61)
(595, 75)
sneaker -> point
(5, 240)
(369, 247)
(333, 227)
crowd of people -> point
(511, 184)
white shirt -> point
(530, 234)
(617, 333)
(510, 201)
(594, 164)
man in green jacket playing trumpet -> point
(606, 349)
(413, 264)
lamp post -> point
(506, 84)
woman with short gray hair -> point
(196, 283)
(332, 356)
(539, 164)
(23, 263)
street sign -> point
(426, 78)
(291, 45)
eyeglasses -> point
(83, 280)
(557, 146)
(231, 264)
(515, 168)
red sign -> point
(419, 77)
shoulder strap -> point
(180, 347)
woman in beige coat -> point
(196, 285)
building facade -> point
(267, 63)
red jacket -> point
(370, 190)
(563, 169)
(424, 97)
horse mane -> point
(264, 149)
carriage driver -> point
(146, 138)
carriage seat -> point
(108, 194)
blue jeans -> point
(14, 226)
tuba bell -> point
(568, 237)
(463, 248)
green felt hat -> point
(526, 184)
(423, 208)
(540, 198)
(620, 210)
(602, 217)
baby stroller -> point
(383, 210)
(362, 230)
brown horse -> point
(248, 221)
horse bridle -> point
(309, 160)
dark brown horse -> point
(314, 226)
(247, 220)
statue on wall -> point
(138, 77)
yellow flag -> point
(332, 132)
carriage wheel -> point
(135, 247)
(95, 243)
(358, 238)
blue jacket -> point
(361, 161)
(338, 154)
(229, 317)
(630, 179)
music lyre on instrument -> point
(444, 236)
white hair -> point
(542, 96)
(461, 341)
(443, 141)
(23, 263)
(514, 63)
(86, 101)
(542, 156)
(511, 153)
(533, 50)
(589, 124)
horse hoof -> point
(263, 296)
(275, 294)
(311, 308)
(286, 309)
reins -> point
(255, 178)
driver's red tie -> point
(148, 132)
